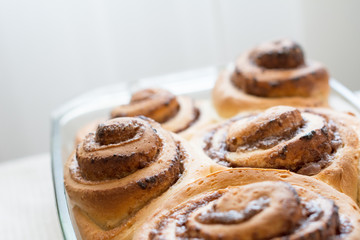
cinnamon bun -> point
(273, 73)
(316, 142)
(120, 168)
(255, 204)
(178, 114)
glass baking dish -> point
(97, 104)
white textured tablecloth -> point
(27, 200)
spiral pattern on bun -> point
(175, 113)
(271, 74)
(315, 142)
(120, 167)
(255, 204)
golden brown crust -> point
(125, 164)
(243, 201)
(317, 142)
(271, 74)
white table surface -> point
(27, 200)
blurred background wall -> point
(52, 51)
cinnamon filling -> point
(180, 215)
(281, 137)
(195, 116)
(264, 210)
(233, 216)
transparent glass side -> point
(65, 122)
(68, 119)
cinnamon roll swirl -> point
(255, 204)
(271, 74)
(119, 169)
(314, 142)
(178, 114)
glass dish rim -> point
(67, 228)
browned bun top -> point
(255, 204)
(281, 137)
(280, 54)
(279, 69)
(175, 113)
(118, 148)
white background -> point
(52, 51)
